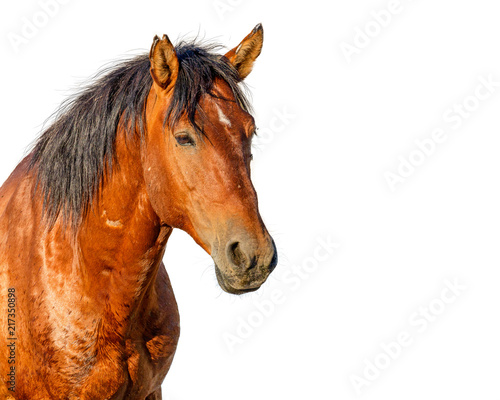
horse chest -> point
(133, 372)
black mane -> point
(75, 153)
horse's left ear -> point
(244, 55)
(164, 62)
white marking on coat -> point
(113, 224)
(222, 116)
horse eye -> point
(184, 140)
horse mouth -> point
(227, 287)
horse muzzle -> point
(243, 266)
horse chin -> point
(227, 287)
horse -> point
(155, 142)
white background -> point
(320, 175)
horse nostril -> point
(236, 255)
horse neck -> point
(121, 241)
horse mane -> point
(76, 152)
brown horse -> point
(155, 143)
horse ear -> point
(244, 55)
(164, 62)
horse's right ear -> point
(164, 62)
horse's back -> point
(14, 182)
(18, 218)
